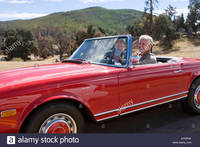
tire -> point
(192, 103)
(56, 118)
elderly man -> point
(145, 46)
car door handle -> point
(178, 71)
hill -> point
(108, 19)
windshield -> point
(112, 51)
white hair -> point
(148, 38)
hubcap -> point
(197, 97)
(58, 123)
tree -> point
(1, 40)
(90, 31)
(102, 30)
(18, 43)
(84, 33)
(164, 30)
(65, 44)
(80, 36)
(193, 16)
(191, 22)
(194, 4)
(170, 11)
(180, 22)
(135, 30)
(106, 32)
(45, 47)
(150, 4)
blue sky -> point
(26, 9)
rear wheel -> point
(192, 103)
(56, 118)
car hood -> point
(48, 73)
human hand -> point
(117, 58)
(138, 54)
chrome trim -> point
(108, 117)
(150, 101)
(99, 114)
(108, 37)
(142, 108)
(52, 123)
(129, 39)
(178, 71)
(153, 105)
(58, 117)
(196, 102)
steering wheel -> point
(108, 58)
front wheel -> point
(192, 103)
(58, 118)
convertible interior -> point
(163, 59)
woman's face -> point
(120, 45)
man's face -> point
(144, 46)
(120, 45)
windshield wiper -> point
(78, 61)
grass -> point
(184, 47)
(8, 65)
(17, 59)
(195, 42)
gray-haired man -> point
(145, 46)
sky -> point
(27, 9)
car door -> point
(144, 86)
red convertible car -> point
(92, 85)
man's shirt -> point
(148, 58)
